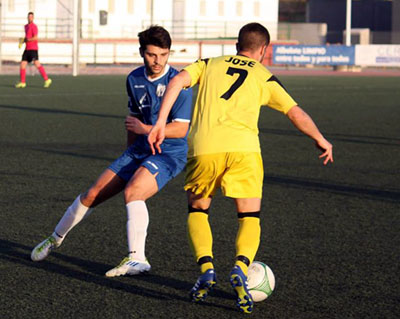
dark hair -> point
(30, 13)
(155, 35)
(252, 36)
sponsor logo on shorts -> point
(152, 164)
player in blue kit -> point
(139, 173)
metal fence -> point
(305, 33)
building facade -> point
(185, 19)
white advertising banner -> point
(377, 55)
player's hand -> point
(326, 148)
(136, 126)
(156, 137)
(21, 42)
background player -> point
(139, 173)
(224, 148)
(31, 54)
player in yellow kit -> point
(224, 148)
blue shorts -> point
(165, 165)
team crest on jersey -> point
(160, 89)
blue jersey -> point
(145, 97)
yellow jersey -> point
(231, 91)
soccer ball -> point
(261, 281)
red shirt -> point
(31, 30)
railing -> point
(61, 29)
(48, 28)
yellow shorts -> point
(238, 174)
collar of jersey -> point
(166, 69)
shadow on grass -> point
(55, 111)
(287, 181)
(362, 192)
(75, 154)
(94, 273)
(361, 139)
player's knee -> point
(134, 192)
(90, 198)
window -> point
(32, 5)
(257, 8)
(11, 6)
(221, 8)
(111, 6)
(202, 8)
(148, 6)
(130, 6)
(92, 5)
(239, 8)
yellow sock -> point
(200, 237)
(247, 240)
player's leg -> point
(202, 178)
(22, 74)
(247, 242)
(243, 181)
(200, 239)
(107, 185)
(47, 80)
(153, 174)
(142, 186)
(249, 231)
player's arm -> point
(34, 38)
(174, 129)
(303, 122)
(130, 138)
(157, 133)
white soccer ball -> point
(260, 281)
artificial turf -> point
(330, 234)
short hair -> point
(253, 36)
(31, 13)
(155, 35)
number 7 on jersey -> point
(239, 81)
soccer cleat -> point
(47, 83)
(239, 284)
(44, 249)
(203, 286)
(129, 266)
(20, 85)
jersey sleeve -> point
(195, 70)
(34, 31)
(182, 109)
(132, 105)
(280, 99)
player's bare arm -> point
(303, 122)
(172, 130)
(130, 138)
(34, 38)
(158, 131)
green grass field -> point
(330, 234)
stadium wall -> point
(110, 51)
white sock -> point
(136, 226)
(74, 214)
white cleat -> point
(129, 267)
(44, 249)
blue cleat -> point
(239, 284)
(203, 286)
